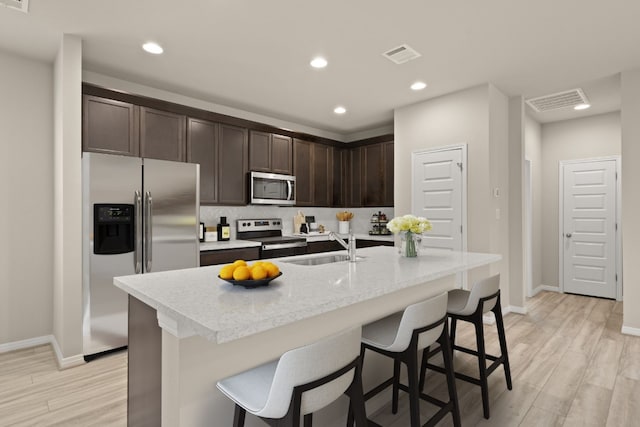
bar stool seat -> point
(401, 336)
(301, 382)
(470, 306)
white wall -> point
(26, 168)
(583, 138)
(533, 153)
(461, 117)
(630, 114)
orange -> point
(241, 273)
(272, 269)
(258, 272)
(239, 263)
(226, 272)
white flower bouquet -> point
(410, 228)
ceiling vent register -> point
(566, 99)
(401, 54)
(21, 5)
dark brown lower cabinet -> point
(323, 246)
(228, 255)
(363, 243)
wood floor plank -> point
(630, 359)
(559, 391)
(590, 407)
(603, 367)
(537, 417)
(624, 410)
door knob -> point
(568, 235)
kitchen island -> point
(211, 329)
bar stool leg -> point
(308, 420)
(452, 335)
(238, 416)
(423, 367)
(414, 393)
(503, 344)
(396, 386)
(482, 364)
(451, 376)
(355, 392)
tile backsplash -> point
(360, 223)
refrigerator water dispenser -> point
(113, 229)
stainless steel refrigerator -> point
(139, 216)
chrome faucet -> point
(350, 246)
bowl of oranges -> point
(260, 273)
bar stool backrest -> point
(483, 289)
(305, 364)
(418, 316)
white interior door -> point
(589, 228)
(437, 194)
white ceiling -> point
(254, 54)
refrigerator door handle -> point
(137, 252)
(148, 231)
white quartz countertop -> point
(196, 301)
(228, 244)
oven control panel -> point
(244, 225)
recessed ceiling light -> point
(318, 62)
(418, 86)
(152, 47)
(582, 106)
(340, 110)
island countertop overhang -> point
(196, 301)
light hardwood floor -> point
(569, 362)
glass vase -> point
(409, 244)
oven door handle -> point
(273, 246)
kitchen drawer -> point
(228, 256)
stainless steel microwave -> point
(272, 189)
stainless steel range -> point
(269, 233)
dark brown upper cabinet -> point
(302, 170)
(373, 175)
(162, 135)
(270, 153)
(353, 187)
(233, 164)
(388, 174)
(313, 168)
(110, 126)
(202, 148)
(322, 179)
(369, 180)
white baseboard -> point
(541, 288)
(514, 309)
(63, 362)
(628, 330)
(31, 342)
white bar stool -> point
(301, 382)
(470, 307)
(401, 336)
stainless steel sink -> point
(326, 259)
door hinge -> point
(616, 226)
(460, 229)
(616, 277)
(459, 165)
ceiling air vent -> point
(569, 98)
(401, 54)
(21, 5)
